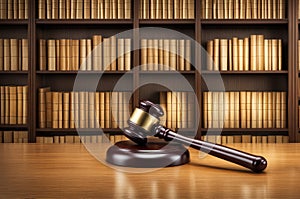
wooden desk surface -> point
(69, 171)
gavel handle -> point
(253, 162)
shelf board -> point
(83, 21)
(13, 126)
(243, 72)
(247, 129)
(14, 21)
(82, 72)
(105, 130)
(166, 72)
(166, 21)
(14, 72)
(243, 21)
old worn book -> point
(173, 57)
(1, 54)
(235, 54)
(216, 55)
(260, 52)
(113, 53)
(253, 52)
(66, 110)
(246, 54)
(279, 54)
(91, 108)
(12, 105)
(127, 9)
(55, 109)
(72, 110)
(82, 57)
(259, 109)
(14, 54)
(144, 53)
(163, 104)
(51, 55)
(121, 56)
(265, 110)
(210, 53)
(283, 109)
(223, 54)
(2, 104)
(87, 9)
(24, 58)
(215, 110)
(42, 107)
(191, 9)
(89, 59)
(6, 55)
(166, 48)
(150, 54)
(274, 54)
(62, 55)
(155, 55)
(127, 50)
(169, 109)
(7, 137)
(188, 55)
(41, 9)
(107, 117)
(79, 9)
(241, 55)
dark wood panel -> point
(86, 82)
(252, 82)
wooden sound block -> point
(153, 154)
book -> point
(223, 54)
(25, 57)
(6, 55)
(1, 55)
(12, 104)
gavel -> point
(145, 121)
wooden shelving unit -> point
(201, 30)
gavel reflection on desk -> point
(145, 121)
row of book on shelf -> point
(107, 138)
(98, 53)
(84, 9)
(243, 9)
(167, 9)
(13, 136)
(13, 104)
(222, 139)
(244, 109)
(83, 109)
(179, 109)
(244, 54)
(165, 54)
(14, 9)
(149, 9)
(13, 54)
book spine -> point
(66, 110)
(223, 54)
(1, 55)
(24, 47)
(127, 49)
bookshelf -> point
(199, 28)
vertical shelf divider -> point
(136, 53)
(198, 68)
(32, 107)
(292, 72)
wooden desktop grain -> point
(69, 171)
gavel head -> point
(143, 122)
